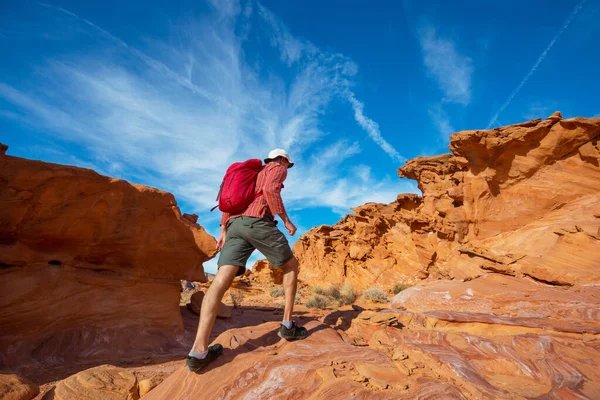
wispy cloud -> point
(451, 70)
(174, 116)
(539, 60)
(442, 122)
(339, 70)
(372, 128)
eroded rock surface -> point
(104, 382)
(13, 387)
(90, 265)
(519, 200)
(256, 364)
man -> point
(241, 234)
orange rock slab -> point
(104, 382)
(90, 265)
(257, 364)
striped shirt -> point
(269, 182)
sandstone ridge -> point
(519, 200)
(90, 264)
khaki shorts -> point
(245, 234)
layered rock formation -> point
(13, 387)
(90, 265)
(503, 252)
(521, 200)
(104, 382)
(256, 364)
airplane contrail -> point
(151, 62)
(577, 8)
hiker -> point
(254, 227)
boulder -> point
(13, 387)
(3, 149)
(104, 382)
(147, 385)
(264, 273)
(86, 256)
(193, 218)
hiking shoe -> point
(196, 364)
(294, 333)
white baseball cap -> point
(273, 154)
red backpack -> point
(238, 187)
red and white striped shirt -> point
(269, 182)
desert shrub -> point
(398, 287)
(317, 301)
(336, 295)
(319, 290)
(236, 298)
(277, 292)
(297, 300)
(333, 292)
(376, 295)
(347, 294)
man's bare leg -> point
(289, 330)
(290, 284)
(210, 305)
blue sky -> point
(169, 93)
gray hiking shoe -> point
(294, 333)
(196, 364)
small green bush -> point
(317, 301)
(376, 295)
(398, 287)
(297, 300)
(277, 292)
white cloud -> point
(442, 122)
(336, 70)
(291, 48)
(175, 116)
(539, 60)
(451, 70)
(372, 128)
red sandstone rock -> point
(257, 364)
(193, 218)
(105, 382)
(13, 387)
(90, 265)
(3, 149)
(147, 385)
(264, 273)
(494, 204)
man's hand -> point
(291, 228)
(221, 240)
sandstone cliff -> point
(90, 265)
(521, 200)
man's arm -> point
(272, 192)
